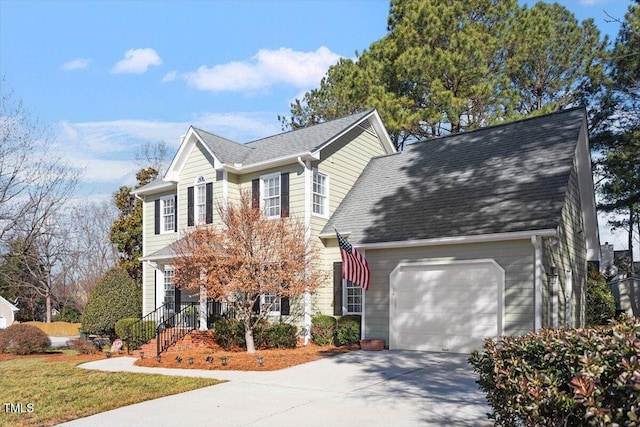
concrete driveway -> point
(387, 388)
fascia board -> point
(267, 164)
(481, 238)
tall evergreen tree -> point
(126, 231)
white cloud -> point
(266, 68)
(170, 76)
(137, 61)
(76, 64)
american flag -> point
(354, 266)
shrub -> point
(601, 304)
(84, 346)
(348, 331)
(229, 333)
(68, 314)
(282, 335)
(563, 376)
(23, 339)
(114, 297)
(323, 329)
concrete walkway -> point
(388, 388)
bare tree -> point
(154, 154)
(249, 256)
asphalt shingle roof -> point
(505, 178)
(288, 143)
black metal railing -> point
(169, 323)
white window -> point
(274, 301)
(352, 298)
(169, 290)
(320, 194)
(270, 192)
(168, 214)
(200, 202)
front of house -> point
(475, 235)
(303, 174)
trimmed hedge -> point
(229, 333)
(23, 339)
(563, 376)
(282, 335)
(116, 296)
(323, 329)
(348, 330)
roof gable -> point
(500, 179)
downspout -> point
(307, 235)
(538, 270)
(144, 245)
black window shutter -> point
(175, 213)
(256, 306)
(284, 306)
(190, 206)
(209, 203)
(157, 216)
(284, 195)
(255, 194)
(337, 289)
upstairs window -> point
(201, 202)
(165, 215)
(320, 194)
(271, 195)
(168, 218)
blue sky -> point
(109, 76)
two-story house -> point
(474, 235)
(304, 173)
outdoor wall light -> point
(209, 359)
(260, 360)
(190, 360)
(553, 274)
(224, 360)
(178, 358)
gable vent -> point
(366, 125)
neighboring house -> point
(615, 267)
(474, 235)
(7, 313)
(304, 173)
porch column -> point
(203, 308)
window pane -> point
(319, 193)
(168, 214)
(271, 190)
(353, 297)
(201, 200)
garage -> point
(445, 306)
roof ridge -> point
(216, 135)
(364, 112)
(497, 125)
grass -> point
(57, 390)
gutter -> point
(480, 238)
(239, 168)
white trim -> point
(267, 164)
(363, 315)
(587, 195)
(554, 301)
(480, 238)
(568, 299)
(402, 265)
(307, 237)
(11, 306)
(538, 271)
(270, 312)
(345, 295)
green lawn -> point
(54, 392)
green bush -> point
(140, 333)
(282, 335)
(601, 304)
(348, 331)
(563, 376)
(23, 339)
(84, 346)
(116, 296)
(323, 329)
(229, 333)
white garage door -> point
(448, 306)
